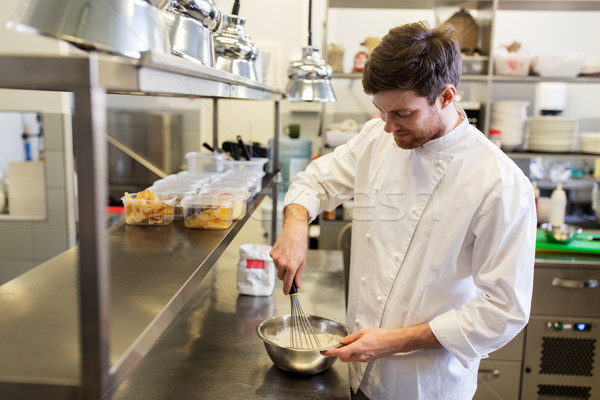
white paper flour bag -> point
(256, 270)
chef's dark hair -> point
(414, 57)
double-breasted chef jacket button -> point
(376, 189)
(438, 162)
(396, 256)
(414, 209)
(379, 299)
(356, 321)
(362, 279)
(367, 235)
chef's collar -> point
(450, 138)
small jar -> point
(495, 137)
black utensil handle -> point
(245, 150)
(294, 289)
(209, 147)
(236, 8)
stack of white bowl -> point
(509, 117)
(552, 134)
(589, 142)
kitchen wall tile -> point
(55, 169)
(53, 131)
(56, 206)
(49, 240)
(16, 240)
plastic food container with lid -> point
(248, 184)
(252, 175)
(179, 192)
(252, 165)
(210, 176)
(239, 194)
(139, 211)
(200, 163)
(208, 211)
(197, 180)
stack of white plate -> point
(509, 117)
(589, 142)
(552, 134)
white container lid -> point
(167, 184)
(214, 156)
(168, 192)
(209, 200)
(231, 182)
(248, 165)
(238, 192)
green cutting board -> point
(579, 244)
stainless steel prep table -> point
(212, 350)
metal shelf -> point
(525, 5)
(82, 320)
(411, 4)
(154, 271)
(152, 74)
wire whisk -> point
(302, 333)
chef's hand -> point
(370, 344)
(289, 252)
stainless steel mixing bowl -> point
(560, 234)
(299, 361)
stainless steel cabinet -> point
(563, 334)
(75, 326)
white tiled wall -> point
(24, 243)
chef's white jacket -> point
(442, 234)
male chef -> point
(443, 234)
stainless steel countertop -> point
(212, 350)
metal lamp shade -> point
(310, 78)
(189, 38)
(125, 27)
(234, 51)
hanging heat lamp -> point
(309, 78)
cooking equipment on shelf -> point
(190, 26)
(125, 27)
(299, 361)
(234, 50)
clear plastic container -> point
(253, 165)
(249, 184)
(197, 180)
(210, 176)
(178, 191)
(251, 175)
(240, 195)
(140, 209)
(200, 163)
(208, 211)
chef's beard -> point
(416, 138)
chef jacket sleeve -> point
(329, 180)
(503, 259)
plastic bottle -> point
(558, 206)
(360, 59)
(495, 137)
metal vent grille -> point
(563, 356)
(558, 392)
